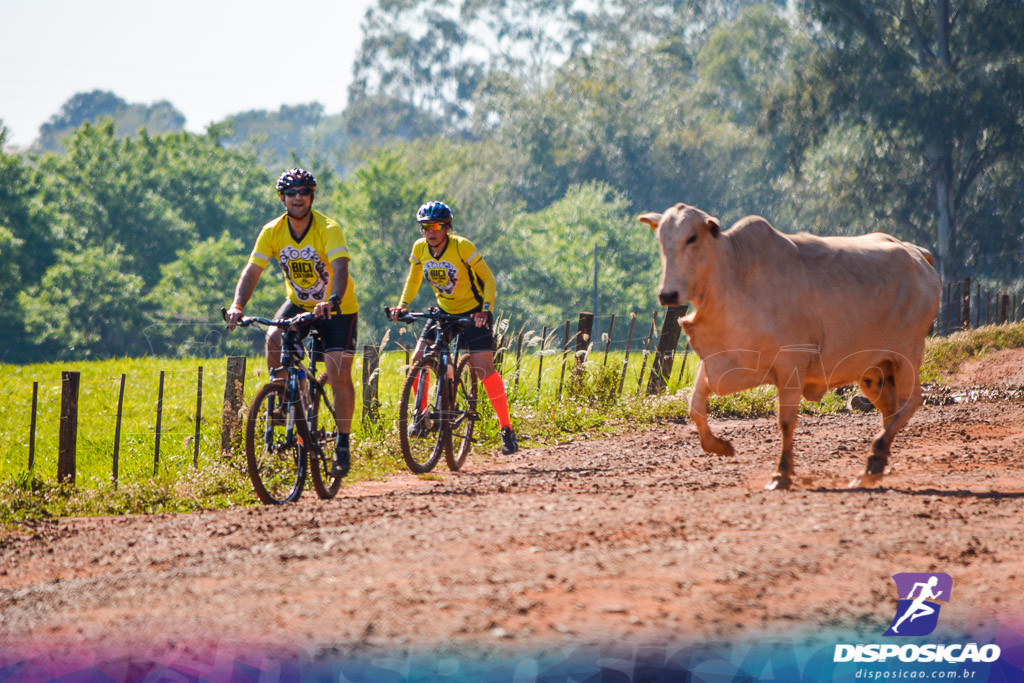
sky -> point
(208, 58)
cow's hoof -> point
(866, 480)
(717, 446)
(779, 482)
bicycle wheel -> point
(275, 462)
(323, 433)
(419, 424)
(462, 417)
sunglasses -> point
(432, 227)
(302, 191)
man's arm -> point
(339, 283)
(243, 292)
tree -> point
(191, 292)
(151, 195)
(436, 56)
(25, 248)
(11, 330)
(159, 117)
(943, 79)
(377, 212)
(552, 279)
(88, 304)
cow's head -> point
(686, 236)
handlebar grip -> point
(401, 319)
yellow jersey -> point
(306, 262)
(460, 277)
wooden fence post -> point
(647, 351)
(608, 342)
(625, 358)
(68, 440)
(956, 306)
(199, 417)
(159, 419)
(668, 340)
(965, 320)
(977, 306)
(519, 356)
(234, 396)
(117, 429)
(682, 366)
(371, 403)
(584, 332)
(540, 362)
(565, 352)
(947, 321)
(32, 427)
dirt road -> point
(642, 538)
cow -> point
(802, 312)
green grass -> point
(601, 400)
(945, 355)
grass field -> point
(600, 400)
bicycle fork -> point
(422, 391)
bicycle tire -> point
(463, 415)
(277, 469)
(324, 432)
(422, 450)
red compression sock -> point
(495, 388)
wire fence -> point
(148, 420)
(151, 420)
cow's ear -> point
(713, 226)
(652, 219)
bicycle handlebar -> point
(430, 314)
(299, 319)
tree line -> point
(548, 125)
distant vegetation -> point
(548, 125)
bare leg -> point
(339, 374)
(273, 339)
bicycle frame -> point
(285, 439)
(293, 350)
(446, 359)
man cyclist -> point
(310, 248)
(463, 285)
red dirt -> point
(640, 538)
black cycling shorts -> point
(474, 339)
(337, 332)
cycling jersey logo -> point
(305, 271)
(442, 275)
(917, 613)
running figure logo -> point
(918, 611)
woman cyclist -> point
(463, 285)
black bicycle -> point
(290, 427)
(438, 409)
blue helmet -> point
(434, 212)
(295, 177)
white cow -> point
(802, 312)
